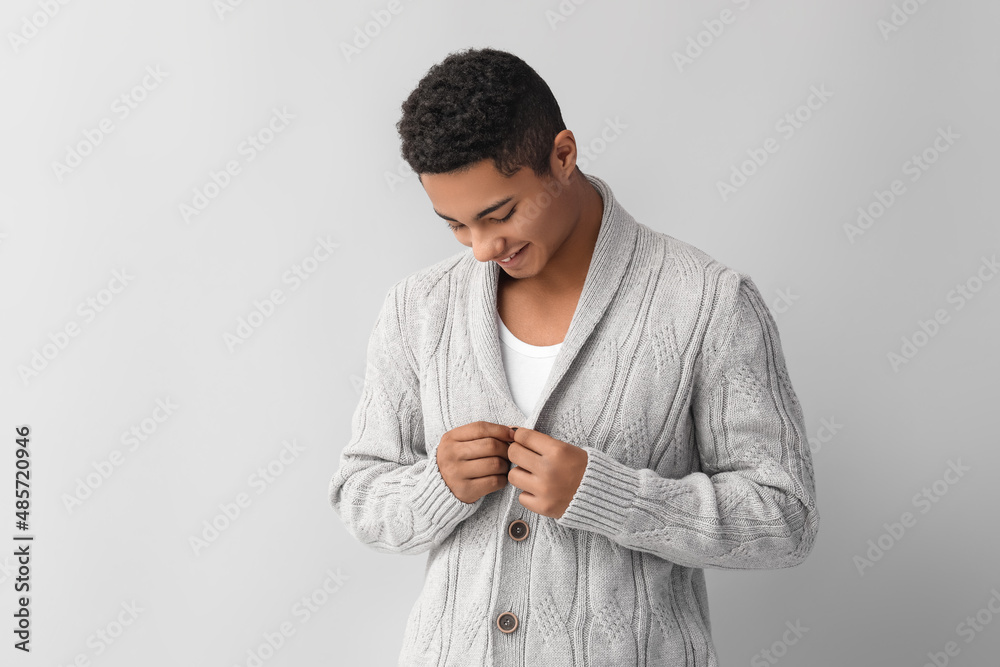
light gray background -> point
(298, 376)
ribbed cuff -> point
(434, 501)
(605, 497)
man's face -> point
(496, 216)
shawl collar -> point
(612, 254)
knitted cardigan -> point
(671, 377)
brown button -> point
(507, 622)
(518, 530)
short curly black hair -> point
(480, 104)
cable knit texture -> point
(673, 380)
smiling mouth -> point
(510, 257)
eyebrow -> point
(486, 211)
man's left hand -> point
(548, 471)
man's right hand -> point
(473, 459)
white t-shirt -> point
(527, 366)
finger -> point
(482, 429)
(485, 467)
(484, 448)
(529, 502)
(523, 457)
(484, 485)
(531, 439)
(524, 480)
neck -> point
(567, 269)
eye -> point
(507, 217)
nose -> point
(486, 247)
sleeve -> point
(387, 491)
(752, 505)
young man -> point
(657, 430)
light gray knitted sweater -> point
(671, 377)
